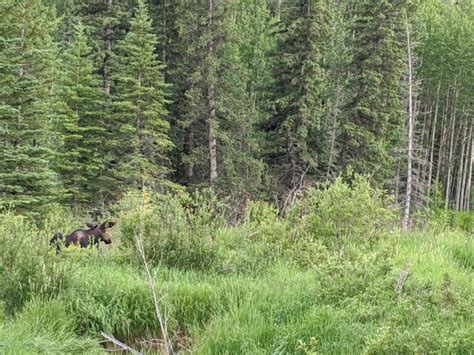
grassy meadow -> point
(335, 276)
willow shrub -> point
(177, 231)
(28, 266)
(346, 211)
(190, 231)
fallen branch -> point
(119, 344)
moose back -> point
(85, 237)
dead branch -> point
(120, 344)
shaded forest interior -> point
(258, 100)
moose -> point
(84, 237)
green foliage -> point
(190, 231)
(44, 327)
(176, 231)
(232, 275)
(27, 264)
(266, 285)
(296, 143)
(347, 212)
(28, 67)
(139, 106)
(372, 116)
(81, 158)
(464, 221)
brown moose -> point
(84, 237)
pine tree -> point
(28, 65)
(140, 140)
(296, 141)
(82, 158)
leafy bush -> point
(177, 231)
(344, 212)
(464, 221)
(28, 266)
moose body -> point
(85, 237)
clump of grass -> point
(432, 255)
(44, 328)
(112, 299)
(28, 267)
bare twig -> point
(120, 344)
(167, 346)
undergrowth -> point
(306, 284)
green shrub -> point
(28, 267)
(176, 231)
(346, 212)
(58, 218)
(464, 221)
(189, 232)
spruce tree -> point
(215, 61)
(296, 142)
(82, 159)
(373, 115)
(28, 67)
(140, 142)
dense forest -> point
(277, 176)
(255, 99)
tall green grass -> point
(348, 304)
(305, 284)
(45, 328)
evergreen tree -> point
(236, 95)
(140, 141)
(296, 141)
(210, 64)
(28, 65)
(374, 112)
(82, 158)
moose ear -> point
(91, 225)
(107, 225)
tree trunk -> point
(462, 170)
(467, 194)
(406, 212)
(333, 114)
(444, 132)
(433, 135)
(450, 154)
(189, 151)
(397, 185)
(211, 106)
(165, 32)
(278, 9)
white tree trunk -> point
(450, 154)
(212, 109)
(467, 194)
(433, 135)
(459, 184)
(406, 212)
